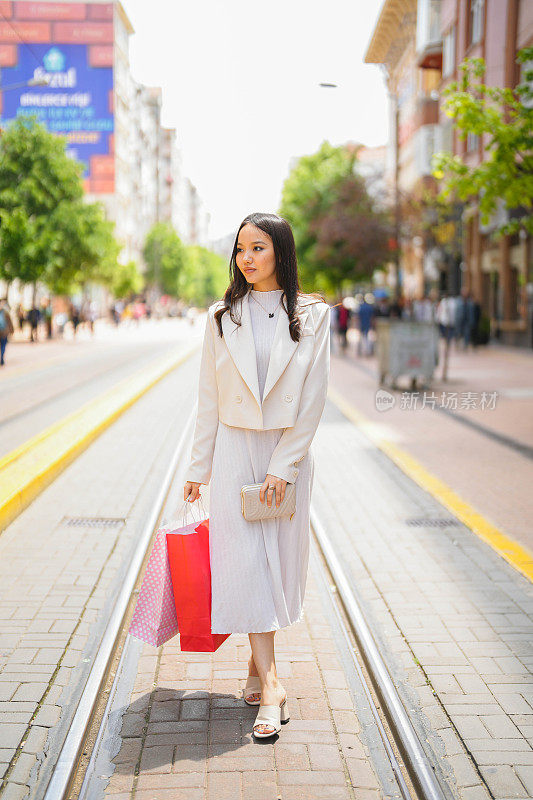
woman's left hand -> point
(270, 485)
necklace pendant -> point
(271, 315)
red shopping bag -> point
(188, 555)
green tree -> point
(38, 181)
(126, 280)
(504, 117)
(340, 235)
(48, 232)
(308, 190)
(351, 234)
(85, 249)
(164, 255)
(205, 276)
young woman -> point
(264, 375)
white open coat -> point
(295, 387)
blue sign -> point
(76, 100)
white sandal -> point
(253, 686)
(271, 715)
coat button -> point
(288, 397)
(238, 398)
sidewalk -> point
(480, 454)
(453, 620)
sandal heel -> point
(284, 712)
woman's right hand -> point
(191, 491)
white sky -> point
(240, 84)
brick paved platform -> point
(186, 732)
(453, 619)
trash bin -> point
(406, 348)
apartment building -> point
(420, 44)
(132, 164)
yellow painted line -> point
(29, 469)
(514, 553)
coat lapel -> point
(240, 343)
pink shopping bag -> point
(154, 619)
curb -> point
(29, 469)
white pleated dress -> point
(258, 569)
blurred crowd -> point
(46, 320)
(457, 316)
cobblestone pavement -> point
(187, 733)
(454, 621)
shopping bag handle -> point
(188, 504)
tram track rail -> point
(411, 765)
(67, 765)
(409, 761)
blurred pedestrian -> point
(75, 317)
(459, 315)
(46, 312)
(6, 328)
(92, 315)
(446, 321)
(446, 316)
(34, 317)
(423, 310)
(472, 315)
(365, 314)
(343, 319)
(407, 309)
(61, 320)
(382, 308)
(21, 316)
(395, 309)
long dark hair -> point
(282, 237)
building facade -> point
(69, 63)
(420, 46)
(499, 272)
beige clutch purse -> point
(253, 509)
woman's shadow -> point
(175, 730)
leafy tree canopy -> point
(504, 118)
(48, 232)
(340, 234)
(164, 255)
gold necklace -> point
(262, 306)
